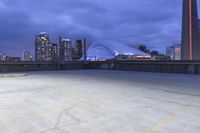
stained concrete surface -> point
(91, 101)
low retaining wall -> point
(38, 66)
(190, 67)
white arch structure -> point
(106, 51)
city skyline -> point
(125, 23)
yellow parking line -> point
(13, 75)
(169, 119)
(44, 114)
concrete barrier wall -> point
(16, 68)
(190, 67)
(38, 66)
(72, 66)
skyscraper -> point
(85, 49)
(79, 47)
(65, 49)
(54, 52)
(190, 40)
(44, 49)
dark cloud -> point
(156, 23)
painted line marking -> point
(13, 75)
(169, 119)
(92, 101)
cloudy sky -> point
(157, 23)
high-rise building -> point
(44, 48)
(190, 40)
(75, 54)
(85, 49)
(79, 47)
(27, 56)
(65, 50)
(54, 51)
(1, 57)
(174, 52)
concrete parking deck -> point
(91, 101)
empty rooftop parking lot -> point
(92, 101)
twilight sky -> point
(157, 23)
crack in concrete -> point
(64, 112)
(174, 92)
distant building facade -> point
(27, 56)
(160, 57)
(77, 51)
(174, 52)
(4, 57)
(132, 57)
(12, 59)
(44, 49)
(65, 51)
(170, 51)
(1, 57)
(79, 47)
(54, 52)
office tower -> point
(27, 56)
(190, 40)
(174, 51)
(61, 50)
(79, 49)
(74, 54)
(54, 52)
(44, 48)
(1, 56)
(85, 49)
(65, 50)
